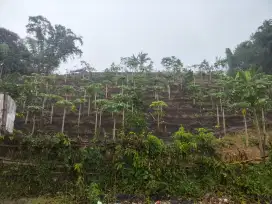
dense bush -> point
(141, 165)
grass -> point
(40, 200)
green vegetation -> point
(87, 136)
(141, 165)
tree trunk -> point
(106, 95)
(1, 71)
(47, 87)
(122, 87)
(113, 130)
(212, 103)
(26, 118)
(89, 106)
(194, 80)
(33, 126)
(95, 127)
(224, 122)
(51, 115)
(246, 133)
(24, 104)
(264, 129)
(169, 91)
(217, 115)
(43, 104)
(259, 133)
(63, 120)
(79, 115)
(100, 118)
(221, 107)
(158, 121)
(194, 101)
(84, 95)
(210, 77)
(95, 95)
(123, 119)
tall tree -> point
(257, 51)
(50, 44)
(14, 55)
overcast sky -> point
(192, 30)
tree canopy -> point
(257, 51)
(42, 51)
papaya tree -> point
(195, 91)
(89, 91)
(107, 83)
(53, 99)
(101, 105)
(80, 102)
(158, 106)
(122, 100)
(67, 90)
(33, 110)
(66, 105)
(115, 109)
(96, 89)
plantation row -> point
(131, 101)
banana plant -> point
(252, 87)
(244, 106)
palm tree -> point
(145, 63)
(251, 87)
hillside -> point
(180, 110)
